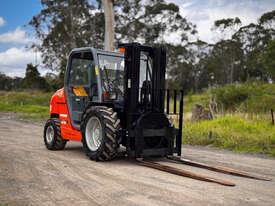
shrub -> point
(248, 97)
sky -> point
(16, 36)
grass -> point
(232, 132)
(29, 105)
(244, 122)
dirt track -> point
(32, 175)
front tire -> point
(99, 129)
(52, 135)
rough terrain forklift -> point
(115, 98)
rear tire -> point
(99, 128)
(52, 135)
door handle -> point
(77, 99)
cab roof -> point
(100, 51)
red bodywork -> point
(59, 108)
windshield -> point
(112, 68)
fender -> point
(59, 109)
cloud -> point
(2, 21)
(18, 36)
(14, 60)
(204, 13)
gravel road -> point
(32, 175)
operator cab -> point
(92, 76)
(97, 76)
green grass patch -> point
(29, 105)
(26, 98)
(234, 133)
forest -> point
(241, 53)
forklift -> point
(113, 99)
(118, 99)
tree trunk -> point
(109, 24)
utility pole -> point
(35, 57)
(109, 24)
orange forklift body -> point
(59, 108)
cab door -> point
(80, 85)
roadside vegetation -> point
(243, 121)
(251, 97)
(27, 104)
(232, 131)
(242, 124)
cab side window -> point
(80, 64)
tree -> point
(5, 82)
(109, 25)
(151, 22)
(226, 48)
(63, 25)
(268, 59)
(189, 72)
(253, 38)
(223, 64)
(225, 28)
(267, 20)
(197, 52)
(53, 81)
(33, 80)
(10, 83)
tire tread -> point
(58, 143)
(109, 147)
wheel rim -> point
(93, 133)
(49, 134)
